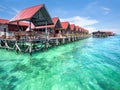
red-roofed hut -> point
(7, 29)
(66, 28)
(36, 15)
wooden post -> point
(30, 48)
(46, 45)
(57, 42)
(0, 43)
(63, 40)
(46, 31)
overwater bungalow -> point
(54, 30)
(36, 15)
(66, 28)
(57, 27)
(73, 29)
(83, 31)
(77, 31)
(102, 33)
(8, 30)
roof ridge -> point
(33, 6)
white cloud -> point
(80, 21)
(9, 10)
(106, 10)
(2, 8)
(91, 29)
(15, 10)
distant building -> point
(102, 33)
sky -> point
(91, 14)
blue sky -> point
(91, 14)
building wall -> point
(2, 28)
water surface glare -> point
(90, 64)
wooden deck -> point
(36, 44)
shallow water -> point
(90, 64)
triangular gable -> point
(72, 26)
(38, 15)
(77, 28)
(65, 25)
(57, 23)
(81, 29)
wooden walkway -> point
(31, 45)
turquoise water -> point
(90, 64)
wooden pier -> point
(32, 29)
(31, 45)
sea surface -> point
(90, 64)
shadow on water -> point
(40, 63)
(105, 85)
(8, 86)
(2, 70)
(21, 67)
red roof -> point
(55, 19)
(77, 28)
(72, 26)
(5, 21)
(27, 13)
(107, 31)
(82, 29)
(65, 25)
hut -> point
(77, 31)
(73, 29)
(55, 29)
(36, 15)
(7, 30)
(102, 33)
(66, 28)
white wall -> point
(8, 33)
(2, 26)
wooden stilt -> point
(0, 43)
(68, 39)
(17, 47)
(63, 40)
(30, 49)
(57, 42)
(6, 45)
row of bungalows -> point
(35, 22)
(104, 33)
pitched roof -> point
(72, 26)
(38, 15)
(5, 21)
(27, 13)
(77, 28)
(81, 29)
(55, 19)
(65, 25)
